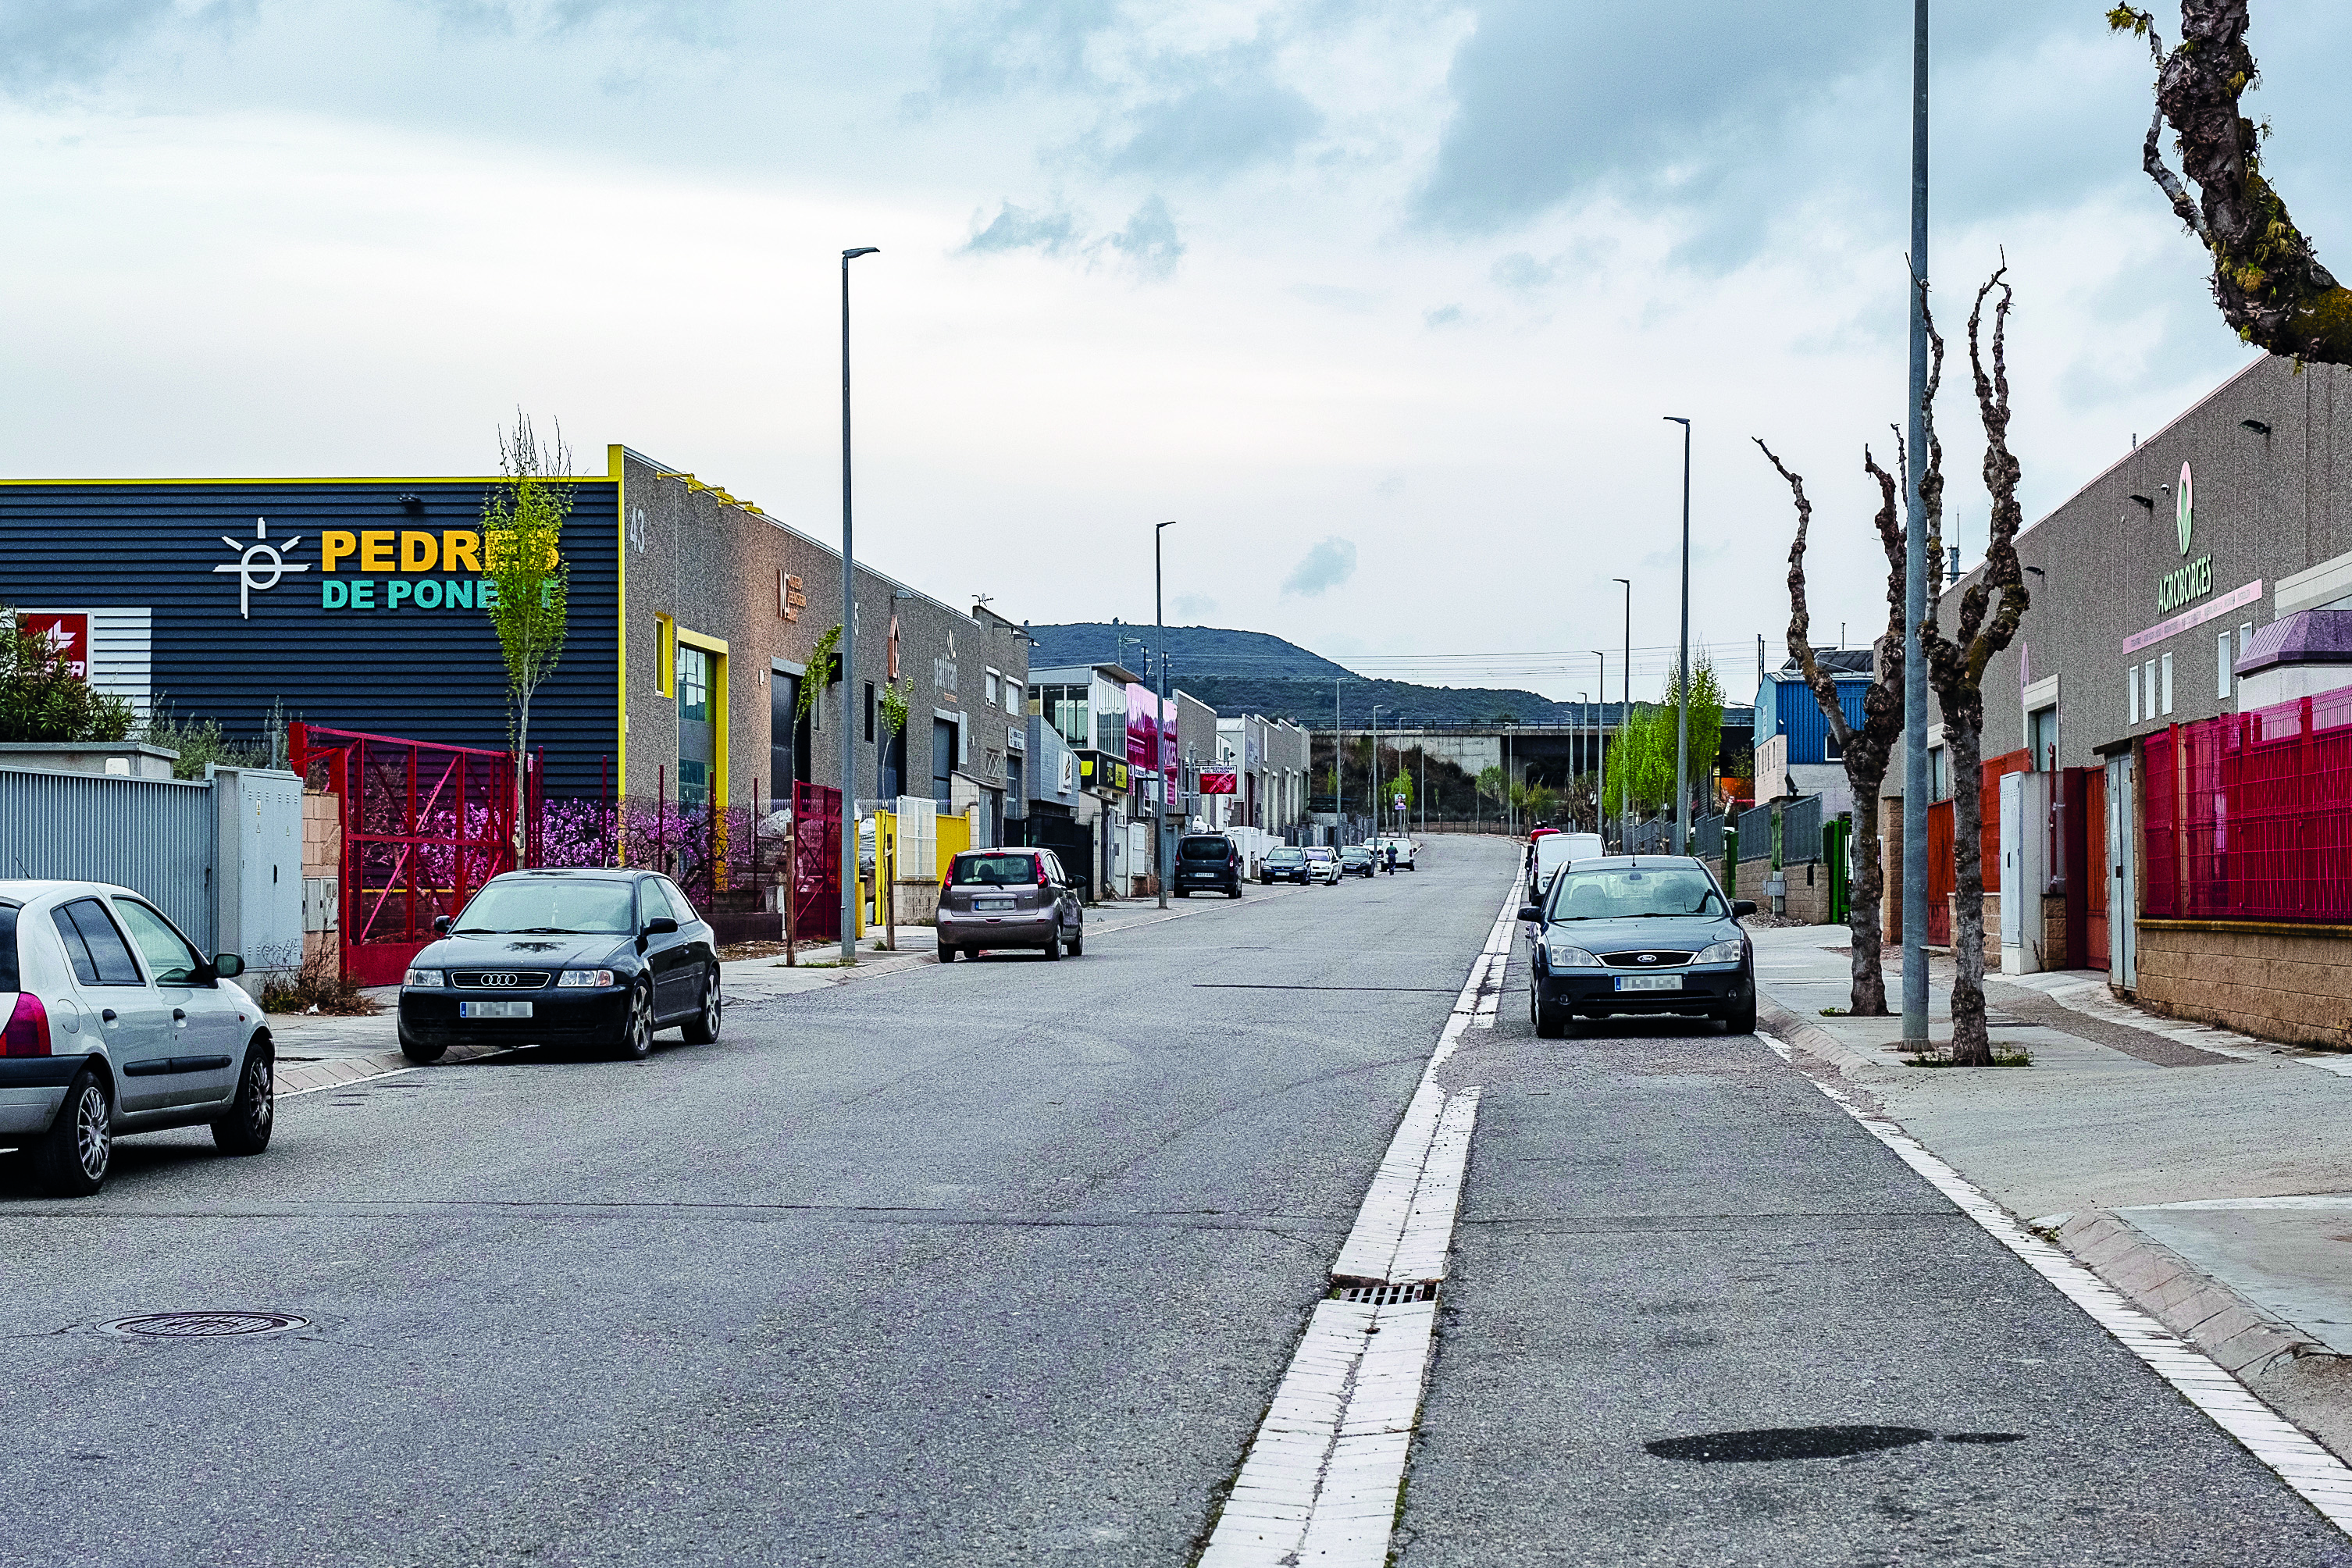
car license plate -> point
(992, 903)
(494, 1009)
(1649, 983)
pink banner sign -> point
(2234, 600)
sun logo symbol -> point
(259, 563)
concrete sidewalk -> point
(2206, 1173)
(318, 1051)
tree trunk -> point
(522, 772)
(1869, 999)
(1970, 1045)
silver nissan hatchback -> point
(110, 1022)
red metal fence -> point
(816, 863)
(424, 826)
(2249, 815)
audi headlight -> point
(429, 979)
(579, 977)
(1720, 953)
(1572, 958)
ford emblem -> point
(1649, 958)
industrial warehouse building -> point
(357, 604)
(2179, 704)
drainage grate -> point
(1387, 1294)
(202, 1325)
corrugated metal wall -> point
(148, 834)
(162, 548)
(1801, 718)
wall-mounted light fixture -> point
(2256, 425)
(412, 505)
(2037, 571)
(2146, 502)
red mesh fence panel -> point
(816, 863)
(2249, 815)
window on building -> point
(2221, 670)
(2147, 689)
(1016, 696)
(1064, 708)
(664, 659)
(1936, 787)
(1831, 751)
(995, 687)
(2131, 688)
(2041, 738)
(2167, 666)
(2245, 635)
(869, 710)
(693, 684)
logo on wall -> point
(2184, 509)
(259, 565)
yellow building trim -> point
(665, 657)
(621, 613)
(613, 472)
(720, 701)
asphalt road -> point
(972, 1264)
(1000, 1262)
(1698, 1315)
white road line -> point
(1319, 1483)
(2319, 1477)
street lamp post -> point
(1624, 725)
(1681, 665)
(1160, 829)
(848, 652)
(1915, 609)
(1375, 769)
(1575, 743)
(1601, 741)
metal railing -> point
(1707, 837)
(1801, 830)
(2249, 815)
(1756, 834)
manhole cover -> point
(202, 1325)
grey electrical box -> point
(258, 884)
(323, 903)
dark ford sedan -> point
(598, 958)
(1010, 897)
(1641, 934)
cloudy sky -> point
(1383, 301)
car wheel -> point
(1077, 944)
(1743, 1020)
(637, 1024)
(420, 1052)
(1183, 892)
(73, 1156)
(1053, 945)
(251, 1117)
(1234, 892)
(947, 955)
(702, 1029)
(1550, 1017)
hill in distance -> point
(1239, 672)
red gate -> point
(816, 863)
(424, 826)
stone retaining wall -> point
(2288, 983)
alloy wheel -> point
(93, 1133)
(257, 1087)
(710, 1003)
(639, 1041)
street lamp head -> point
(1677, 419)
(1157, 526)
(849, 255)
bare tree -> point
(2266, 277)
(1989, 611)
(1866, 749)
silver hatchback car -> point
(110, 1022)
(996, 898)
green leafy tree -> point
(822, 669)
(524, 566)
(41, 699)
(1400, 788)
(1705, 729)
(1489, 783)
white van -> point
(1554, 850)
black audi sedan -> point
(585, 957)
(1641, 934)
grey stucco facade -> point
(703, 570)
(2269, 454)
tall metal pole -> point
(1682, 666)
(1601, 744)
(1914, 668)
(1576, 750)
(1624, 728)
(849, 650)
(1375, 769)
(1160, 829)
